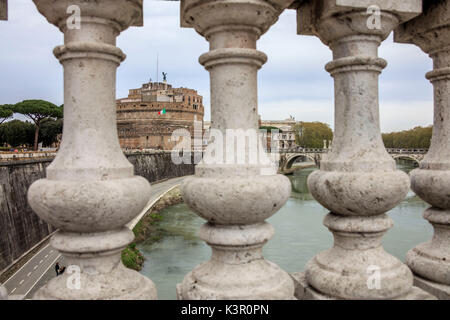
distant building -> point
(3, 9)
(283, 139)
(149, 115)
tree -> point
(50, 129)
(270, 128)
(312, 134)
(5, 112)
(37, 110)
(2, 135)
(418, 137)
(16, 133)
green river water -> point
(299, 235)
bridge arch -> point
(406, 157)
(289, 156)
(290, 160)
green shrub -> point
(132, 258)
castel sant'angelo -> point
(149, 115)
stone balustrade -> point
(321, 150)
(357, 181)
(8, 157)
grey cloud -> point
(292, 82)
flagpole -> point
(157, 66)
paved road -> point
(40, 268)
(21, 283)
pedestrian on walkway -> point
(57, 268)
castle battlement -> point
(140, 122)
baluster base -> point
(121, 284)
(430, 261)
(237, 269)
(303, 291)
(439, 290)
(94, 269)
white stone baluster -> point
(357, 181)
(234, 197)
(430, 262)
(90, 191)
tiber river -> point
(299, 235)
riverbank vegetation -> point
(147, 229)
(312, 134)
(132, 258)
(418, 137)
(270, 128)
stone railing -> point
(322, 150)
(407, 151)
(10, 156)
(302, 150)
(357, 181)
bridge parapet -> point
(322, 150)
(288, 156)
(406, 151)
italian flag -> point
(163, 111)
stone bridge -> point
(289, 156)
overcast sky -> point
(292, 82)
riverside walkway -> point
(37, 271)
